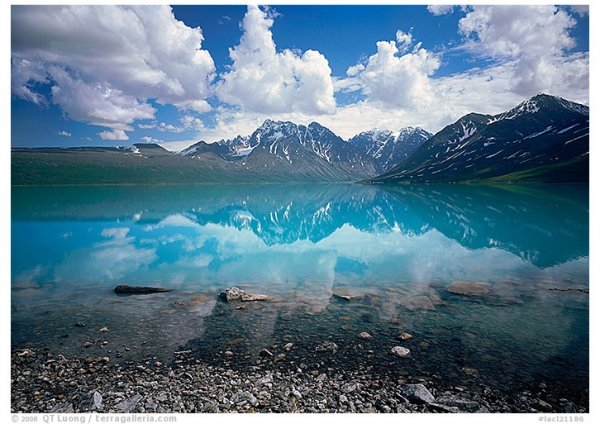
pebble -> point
(266, 353)
(365, 336)
(313, 384)
(327, 346)
(129, 404)
(400, 351)
(405, 336)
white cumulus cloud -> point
(395, 77)
(536, 38)
(114, 135)
(440, 9)
(104, 62)
(403, 39)
(148, 139)
(64, 133)
(263, 80)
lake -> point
(393, 250)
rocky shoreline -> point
(45, 382)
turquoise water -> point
(396, 249)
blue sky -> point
(110, 75)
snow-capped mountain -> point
(233, 149)
(388, 148)
(285, 150)
(545, 138)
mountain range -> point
(294, 147)
(544, 138)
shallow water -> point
(395, 249)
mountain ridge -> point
(544, 138)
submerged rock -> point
(566, 289)
(232, 293)
(365, 336)
(414, 303)
(405, 336)
(254, 297)
(125, 289)
(470, 371)
(400, 351)
(198, 299)
(26, 353)
(327, 346)
(417, 393)
(345, 297)
(466, 288)
(265, 353)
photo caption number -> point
(561, 419)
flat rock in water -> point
(234, 293)
(125, 289)
(254, 297)
(417, 393)
(345, 297)
(466, 288)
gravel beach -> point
(45, 382)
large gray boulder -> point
(417, 393)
